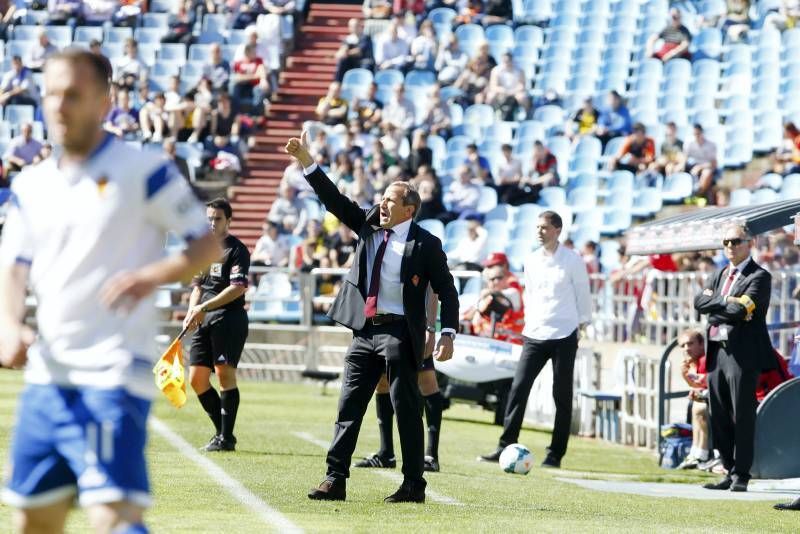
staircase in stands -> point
(308, 72)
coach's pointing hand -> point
(298, 149)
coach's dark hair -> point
(410, 195)
(552, 218)
(98, 63)
(220, 203)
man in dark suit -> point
(382, 299)
(736, 300)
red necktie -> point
(714, 330)
(371, 305)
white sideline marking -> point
(395, 477)
(268, 514)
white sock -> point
(702, 455)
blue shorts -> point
(86, 441)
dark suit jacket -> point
(748, 341)
(424, 262)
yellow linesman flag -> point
(170, 374)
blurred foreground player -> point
(216, 309)
(86, 230)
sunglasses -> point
(735, 242)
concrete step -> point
(241, 207)
(293, 108)
(252, 189)
(261, 200)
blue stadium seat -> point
(530, 130)
(763, 196)
(528, 213)
(455, 230)
(116, 34)
(529, 36)
(500, 34)
(581, 235)
(213, 22)
(22, 49)
(357, 77)
(470, 37)
(61, 36)
(589, 146)
(740, 197)
(200, 52)
(501, 132)
(26, 33)
(442, 16)
(707, 44)
(85, 34)
(647, 202)
(438, 146)
(420, 78)
(533, 11)
(458, 144)
(497, 228)
(582, 199)
(389, 77)
(615, 222)
(480, 114)
(18, 114)
(552, 197)
(549, 115)
(149, 35)
(772, 180)
(173, 52)
(488, 200)
(155, 20)
(165, 69)
(677, 187)
(164, 6)
(434, 226)
(516, 251)
(501, 212)
(236, 37)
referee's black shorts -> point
(220, 339)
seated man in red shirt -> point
(250, 82)
(693, 369)
(637, 152)
(499, 311)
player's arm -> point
(189, 321)
(239, 270)
(15, 337)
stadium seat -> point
(488, 199)
(470, 36)
(18, 114)
(552, 197)
(149, 35)
(155, 20)
(615, 222)
(389, 77)
(117, 34)
(647, 202)
(455, 230)
(173, 52)
(707, 44)
(434, 226)
(61, 36)
(516, 251)
(763, 196)
(501, 212)
(582, 199)
(527, 213)
(677, 187)
(740, 197)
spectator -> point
(470, 249)
(171, 153)
(96, 47)
(469, 12)
(392, 50)
(614, 120)
(181, 24)
(293, 176)
(693, 369)
(314, 247)
(431, 206)
(784, 17)
(450, 61)
(496, 12)
(355, 50)
(224, 120)
(786, 159)
(41, 51)
(377, 9)
(590, 259)
(400, 111)
(64, 12)
(509, 173)
(637, 153)
(286, 209)
(285, 10)
(123, 120)
(701, 161)
(217, 70)
(332, 108)
(127, 13)
(499, 311)
(736, 22)
(128, 68)
(670, 159)
(318, 148)
(584, 121)
(543, 173)
(272, 248)
(478, 165)
(438, 117)
(22, 150)
(250, 84)
(506, 89)
(423, 48)
(475, 78)
(154, 119)
(186, 120)
(97, 12)
(221, 154)
(675, 39)
(17, 86)
(369, 110)
(343, 248)
(463, 194)
(421, 154)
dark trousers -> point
(535, 354)
(375, 350)
(732, 409)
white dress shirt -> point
(557, 296)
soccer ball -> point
(516, 458)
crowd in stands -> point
(196, 72)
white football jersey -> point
(76, 228)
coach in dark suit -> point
(736, 300)
(382, 299)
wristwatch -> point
(451, 335)
(431, 329)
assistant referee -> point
(216, 309)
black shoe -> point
(377, 460)
(492, 456)
(723, 484)
(739, 485)
(329, 490)
(551, 462)
(408, 492)
(221, 444)
(431, 464)
(211, 442)
(794, 505)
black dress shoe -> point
(408, 492)
(329, 490)
(551, 462)
(794, 505)
(739, 485)
(723, 484)
(491, 457)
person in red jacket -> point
(499, 311)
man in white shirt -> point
(464, 194)
(392, 51)
(85, 229)
(557, 304)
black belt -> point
(385, 318)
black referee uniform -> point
(220, 339)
